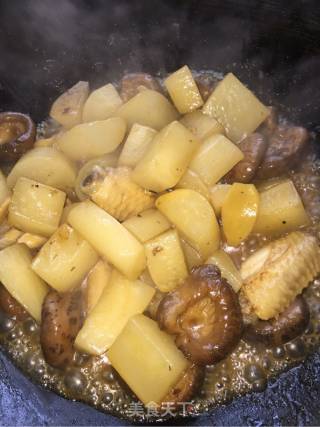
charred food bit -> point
(113, 190)
(288, 325)
(254, 148)
(132, 83)
(275, 274)
(204, 314)
(17, 135)
(11, 306)
(284, 149)
(62, 317)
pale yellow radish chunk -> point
(147, 225)
(228, 270)
(239, 212)
(148, 108)
(218, 194)
(101, 104)
(20, 281)
(111, 239)
(216, 156)
(193, 257)
(65, 259)
(201, 125)
(136, 144)
(67, 109)
(183, 90)
(46, 165)
(89, 140)
(4, 189)
(36, 208)
(280, 210)
(166, 159)
(194, 217)
(192, 181)
(147, 359)
(165, 261)
(4, 208)
(9, 237)
(33, 241)
(121, 299)
(97, 280)
(237, 109)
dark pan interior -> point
(273, 46)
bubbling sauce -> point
(248, 368)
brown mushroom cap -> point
(17, 135)
(204, 314)
(11, 306)
(62, 317)
(287, 326)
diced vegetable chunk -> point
(19, 279)
(4, 190)
(218, 194)
(193, 258)
(280, 210)
(228, 270)
(147, 225)
(148, 108)
(101, 104)
(166, 159)
(194, 217)
(65, 259)
(46, 165)
(201, 125)
(111, 239)
(239, 212)
(136, 144)
(98, 279)
(183, 90)
(165, 261)
(67, 109)
(89, 140)
(120, 300)
(147, 359)
(215, 157)
(192, 181)
(237, 109)
(36, 208)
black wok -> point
(274, 46)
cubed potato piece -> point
(194, 217)
(280, 210)
(192, 257)
(89, 140)
(147, 359)
(218, 194)
(201, 125)
(216, 156)
(228, 270)
(166, 159)
(46, 165)
(147, 224)
(20, 281)
(183, 90)
(65, 259)
(237, 109)
(45, 142)
(165, 261)
(36, 208)
(148, 108)
(67, 109)
(136, 145)
(120, 300)
(4, 208)
(239, 212)
(97, 280)
(65, 213)
(101, 104)
(9, 237)
(192, 181)
(111, 239)
(33, 241)
(4, 189)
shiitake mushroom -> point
(17, 135)
(11, 306)
(204, 314)
(288, 325)
(62, 318)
